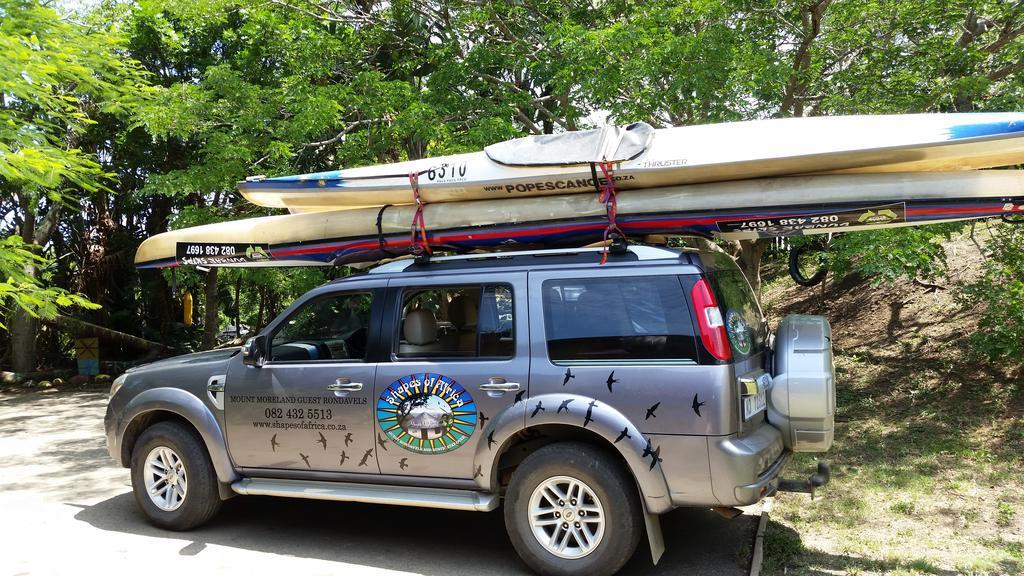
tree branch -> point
(49, 223)
(811, 15)
(349, 128)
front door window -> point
(329, 328)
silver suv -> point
(587, 398)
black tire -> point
(794, 265)
(615, 489)
(202, 499)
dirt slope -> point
(929, 438)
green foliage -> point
(25, 291)
(887, 255)
(245, 87)
(54, 75)
(997, 297)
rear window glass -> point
(622, 319)
(744, 323)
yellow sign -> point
(186, 303)
(87, 348)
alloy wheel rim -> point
(566, 517)
(165, 478)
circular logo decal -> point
(427, 413)
(739, 332)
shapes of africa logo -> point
(427, 413)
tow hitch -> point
(817, 480)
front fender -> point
(580, 412)
(186, 405)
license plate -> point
(754, 404)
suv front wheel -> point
(571, 509)
(172, 477)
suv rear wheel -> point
(172, 477)
(571, 509)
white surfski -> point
(734, 209)
(646, 158)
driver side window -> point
(333, 328)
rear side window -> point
(744, 323)
(456, 321)
(617, 319)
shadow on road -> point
(52, 450)
(424, 541)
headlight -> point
(118, 382)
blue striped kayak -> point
(643, 157)
(747, 209)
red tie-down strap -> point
(418, 239)
(606, 195)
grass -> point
(926, 467)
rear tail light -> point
(709, 318)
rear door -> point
(626, 340)
(459, 356)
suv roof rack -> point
(639, 253)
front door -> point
(308, 407)
(459, 357)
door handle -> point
(499, 384)
(345, 385)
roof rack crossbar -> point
(641, 252)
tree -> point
(55, 77)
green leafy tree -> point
(998, 296)
(25, 290)
(55, 77)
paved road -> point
(66, 508)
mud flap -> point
(654, 537)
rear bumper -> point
(767, 483)
(744, 469)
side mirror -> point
(254, 351)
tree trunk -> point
(211, 322)
(23, 326)
(81, 328)
(23, 340)
(748, 255)
(238, 307)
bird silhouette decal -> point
(274, 443)
(381, 443)
(655, 454)
(590, 410)
(519, 397)
(366, 457)
(623, 434)
(479, 472)
(306, 460)
(696, 406)
(538, 408)
(348, 439)
(403, 464)
(483, 420)
(651, 411)
(564, 406)
(611, 380)
(343, 458)
(322, 440)
(568, 376)
(490, 440)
